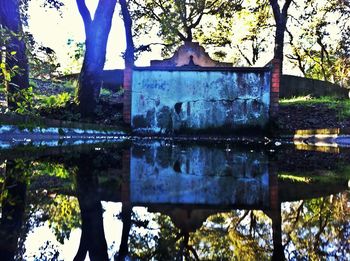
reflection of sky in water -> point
(37, 238)
(40, 235)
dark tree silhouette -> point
(96, 33)
(129, 53)
(92, 234)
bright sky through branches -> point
(53, 31)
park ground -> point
(55, 101)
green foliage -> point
(166, 241)
(56, 101)
(319, 44)
(51, 169)
(25, 101)
(64, 216)
(6, 73)
(105, 92)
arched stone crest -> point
(189, 54)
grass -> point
(341, 105)
(294, 178)
(309, 100)
(340, 175)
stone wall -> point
(167, 100)
(294, 86)
(190, 92)
(198, 175)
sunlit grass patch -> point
(287, 176)
(309, 100)
(340, 175)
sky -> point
(53, 30)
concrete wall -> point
(165, 100)
(198, 175)
(294, 86)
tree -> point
(179, 20)
(130, 49)
(254, 41)
(249, 41)
(16, 62)
(320, 50)
(281, 17)
(96, 33)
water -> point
(175, 201)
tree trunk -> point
(279, 42)
(129, 53)
(126, 219)
(281, 25)
(92, 239)
(10, 19)
(96, 32)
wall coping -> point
(203, 69)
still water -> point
(168, 200)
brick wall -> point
(127, 95)
(275, 86)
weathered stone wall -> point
(198, 175)
(167, 100)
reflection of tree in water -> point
(26, 177)
(13, 196)
(243, 234)
(161, 242)
(237, 234)
(313, 229)
(61, 211)
(318, 228)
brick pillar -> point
(127, 84)
(125, 188)
(275, 214)
(275, 87)
(273, 187)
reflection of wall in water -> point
(198, 175)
